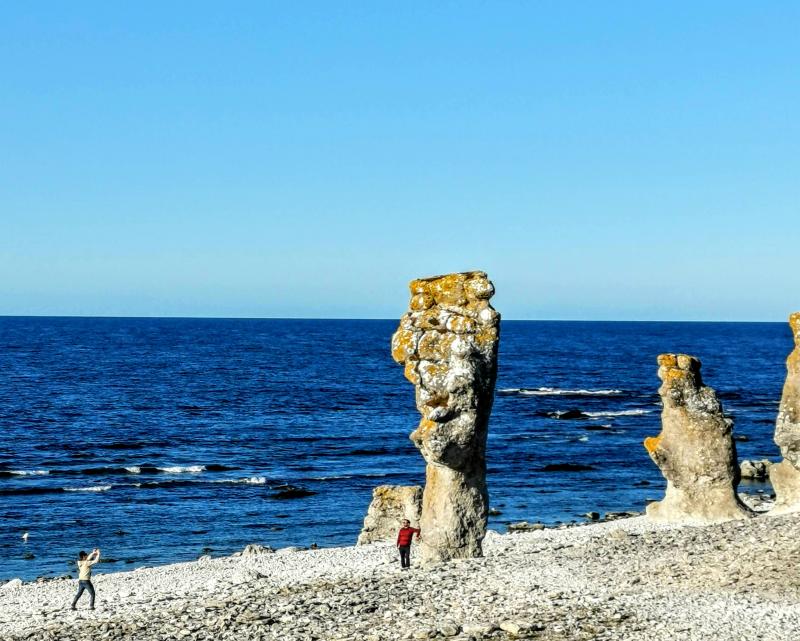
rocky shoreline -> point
(623, 579)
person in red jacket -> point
(404, 537)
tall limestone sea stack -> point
(695, 450)
(448, 343)
(785, 476)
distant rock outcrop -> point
(448, 342)
(695, 450)
(785, 476)
(390, 505)
(755, 470)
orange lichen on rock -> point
(793, 361)
(651, 443)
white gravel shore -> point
(627, 579)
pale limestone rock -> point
(695, 450)
(785, 476)
(390, 505)
(448, 342)
(755, 470)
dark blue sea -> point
(158, 440)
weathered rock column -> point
(448, 343)
(785, 476)
(390, 505)
(695, 450)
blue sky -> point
(601, 161)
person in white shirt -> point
(85, 563)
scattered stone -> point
(633, 580)
(694, 451)
(448, 343)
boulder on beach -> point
(254, 549)
(785, 476)
(390, 505)
(695, 450)
(13, 584)
(447, 342)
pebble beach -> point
(625, 579)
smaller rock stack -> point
(785, 476)
(390, 505)
(695, 450)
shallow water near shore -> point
(161, 439)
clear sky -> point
(622, 160)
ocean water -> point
(158, 440)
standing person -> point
(404, 537)
(85, 563)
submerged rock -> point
(695, 451)
(447, 342)
(570, 414)
(390, 505)
(785, 476)
(291, 492)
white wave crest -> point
(134, 469)
(180, 469)
(618, 413)
(30, 472)
(252, 480)
(92, 488)
(554, 391)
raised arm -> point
(94, 557)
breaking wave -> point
(618, 413)
(91, 488)
(554, 391)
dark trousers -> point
(405, 556)
(84, 585)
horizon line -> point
(373, 318)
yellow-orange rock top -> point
(794, 323)
(450, 289)
(793, 362)
(673, 367)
